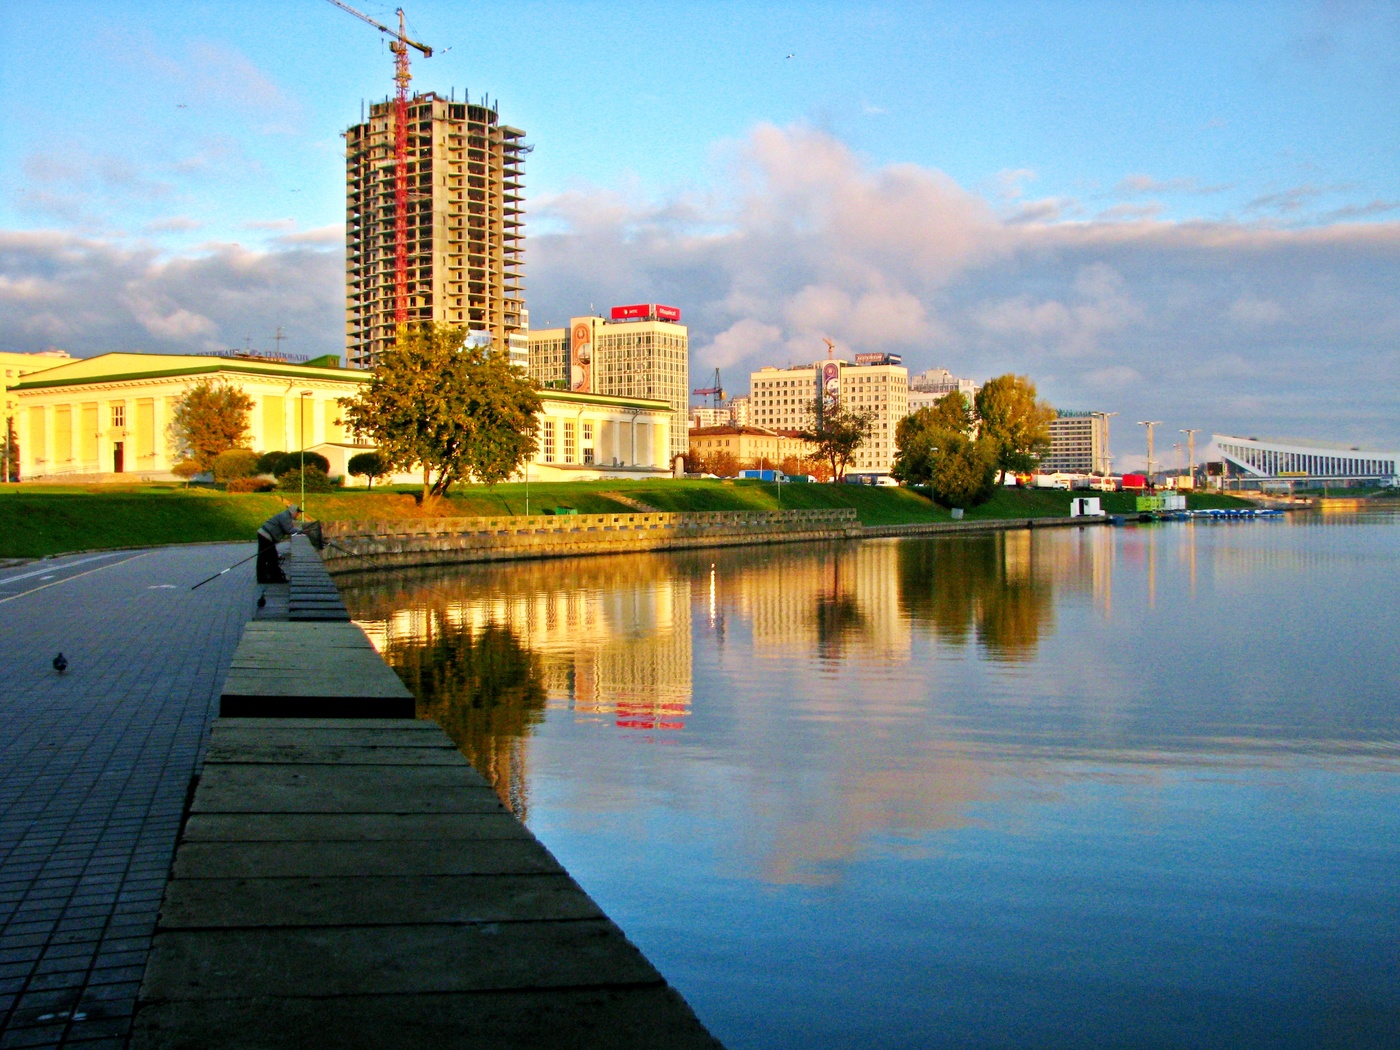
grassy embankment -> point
(38, 520)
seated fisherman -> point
(275, 529)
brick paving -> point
(95, 768)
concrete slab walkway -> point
(95, 768)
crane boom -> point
(427, 51)
(399, 46)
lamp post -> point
(1149, 424)
(1191, 451)
(1107, 456)
(301, 405)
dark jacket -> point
(280, 526)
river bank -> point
(36, 520)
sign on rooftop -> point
(646, 312)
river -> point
(1066, 788)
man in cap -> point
(280, 526)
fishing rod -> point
(216, 575)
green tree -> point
(1015, 421)
(452, 409)
(917, 439)
(235, 463)
(836, 431)
(952, 412)
(964, 471)
(211, 417)
(367, 465)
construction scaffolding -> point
(465, 224)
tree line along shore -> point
(39, 520)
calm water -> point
(1105, 787)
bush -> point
(235, 463)
(250, 485)
(316, 480)
(267, 462)
(186, 468)
(367, 465)
(292, 461)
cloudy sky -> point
(1185, 212)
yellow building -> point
(782, 399)
(644, 352)
(749, 445)
(107, 418)
(12, 367)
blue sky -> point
(1091, 186)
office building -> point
(641, 351)
(784, 398)
(465, 224)
(1078, 444)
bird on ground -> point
(60, 663)
(262, 600)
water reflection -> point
(1062, 788)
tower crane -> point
(399, 45)
(716, 391)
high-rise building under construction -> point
(464, 226)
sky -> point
(1187, 212)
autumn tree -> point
(211, 417)
(836, 431)
(1015, 420)
(369, 465)
(934, 447)
(456, 410)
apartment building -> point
(465, 226)
(783, 399)
(1078, 444)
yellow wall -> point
(87, 441)
(38, 446)
(274, 423)
(145, 431)
(62, 436)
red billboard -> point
(646, 312)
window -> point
(569, 441)
(549, 441)
(118, 415)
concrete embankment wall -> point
(447, 541)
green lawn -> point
(39, 520)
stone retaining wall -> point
(444, 541)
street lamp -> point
(1149, 424)
(301, 405)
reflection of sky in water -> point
(1102, 787)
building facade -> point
(108, 418)
(783, 399)
(639, 353)
(751, 446)
(465, 246)
(1250, 459)
(1078, 444)
(940, 381)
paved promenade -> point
(95, 767)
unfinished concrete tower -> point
(465, 226)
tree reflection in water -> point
(986, 586)
(485, 689)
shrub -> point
(267, 462)
(293, 460)
(235, 463)
(368, 465)
(250, 485)
(316, 480)
(186, 468)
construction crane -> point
(399, 46)
(716, 391)
(830, 347)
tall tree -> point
(1015, 420)
(836, 431)
(452, 409)
(210, 418)
(934, 448)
